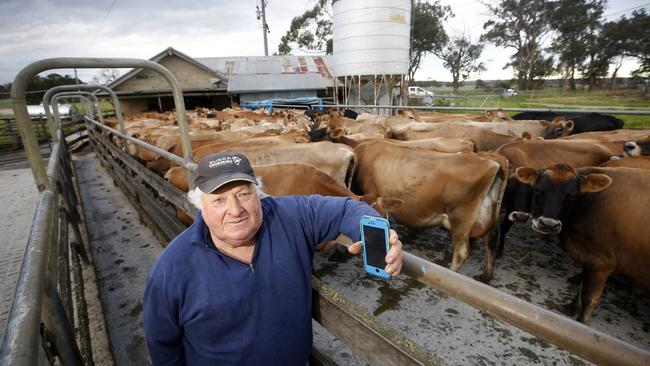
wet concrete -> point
(123, 250)
(533, 268)
(19, 196)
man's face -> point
(233, 213)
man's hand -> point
(395, 255)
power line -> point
(100, 25)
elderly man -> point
(235, 287)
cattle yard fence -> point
(155, 199)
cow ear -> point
(568, 126)
(526, 174)
(337, 133)
(389, 203)
(526, 135)
(595, 182)
(544, 123)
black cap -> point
(218, 169)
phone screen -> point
(375, 246)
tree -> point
(39, 85)
(309, 32)
(631, 36)
(428, 32)
(106, 76)
(522, 25)
(460, 56)
(312, 31)
(577, 23)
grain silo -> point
(371, 49)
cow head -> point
(559, 127)
(637, 148)
(554, 191)
(516, 200)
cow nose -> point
(518, 216)
(550, 225)
(629, 146)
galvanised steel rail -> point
(69, 95)
(43, 291)
(19, 103)
(88, 95)
(586, 342)
(393, 107)
(116, 101)
(21, 341)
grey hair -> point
(196, 196)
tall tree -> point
(428, 33)
(631, 35)
(309, 32)
(312, 31)
(460, 56)
(577, 23)
(522, 25)
(106, 76)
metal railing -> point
(42, 308)
(37, 299)
(481, 109)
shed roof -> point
(273, 82)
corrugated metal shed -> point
(272, 65)
(241, 83)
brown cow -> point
(616, 135)
(462, 192)
(337, 160)
(483, 139)
(291, 179)
(440, 144)
(600, 215)
(540, 154)
(639, 162)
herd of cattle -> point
(581, 177)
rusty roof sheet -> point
(274, 82)
(270, 65)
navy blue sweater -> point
(204, 308)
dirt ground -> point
(533, 268)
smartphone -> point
(374, 236)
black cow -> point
(583, 122)
(600, 216)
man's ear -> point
(594, 182)
(526, 174)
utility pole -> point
(265, 27)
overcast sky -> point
(32, 30)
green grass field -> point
(557, 99)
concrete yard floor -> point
(18, 195)
(123, 249)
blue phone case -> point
(378, 230)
